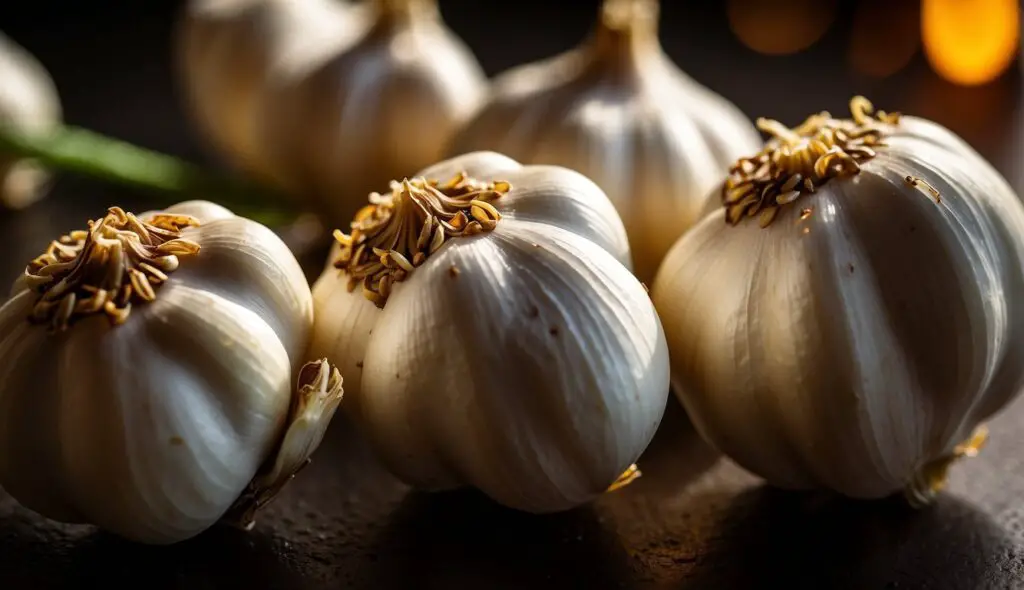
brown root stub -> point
(396, 232)
(628, 476)
(931, 479)
(797, 161)
(119, 261)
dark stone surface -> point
(693, 521)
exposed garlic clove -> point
(517, 356)
(856, 339)
(619, 111)
(29, 103)
(378, 111)
(234, 55)
(148, 371)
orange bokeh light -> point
(970, 42)
(780, 27)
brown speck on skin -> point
(805, 213)
(453, 271)
(535, 245)
(177, 441)
(850, 266)
(913, 228)
(398, 376)
(807, 230)
(553, 331)
(359, 365)
(533, 312)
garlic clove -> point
(268, 279)
(27, 422)
(523, 383)
(318, 393)
(156, 458)
(29, 102)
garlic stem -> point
(318, 394)
(85, 152)
(627, 24)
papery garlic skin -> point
(618, 110)
(29, 103)
(152, 429)
(233, 55)
(863, 334)
(526, 361)
(380, 110)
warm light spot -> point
(780, 27)
(885, 37)
(970, 42)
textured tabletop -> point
(694, 520)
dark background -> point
(694, 521)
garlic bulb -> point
(855, 310)
(232, 54)
(147, 377)
(28, 103)
(619, 111)
(382, 109)
(493, 336)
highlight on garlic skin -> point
(232, 55)
(382, 109)
(621, 112)
(493, 336)
(148, 386)
(854, 310)
(28, 103)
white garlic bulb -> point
(232, 54)
(493, 336)
(147, 377)
(855, 310)
(28, 104)
(382, 109)
(621, 112)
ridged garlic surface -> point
(492, 334)
(382, 109)
(28, 104)
(854, 311)
(618, 110)
(147, 382)
(234, 54)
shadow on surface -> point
(462, 539)
(822, 541)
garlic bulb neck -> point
(797, 161)
(396, 232)
(118, 261)
(318, 394)
(626, 33)
(391, 13)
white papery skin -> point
(380, 110)
(235, 55)
(151, 429)
(618, 110)
(28, 104)
(847, 349)
(537, 372)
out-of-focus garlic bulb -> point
(621, 112)
(382, 109)
(28, 103)
(232, 53)
(854, 310)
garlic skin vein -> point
(525, 361)
(29, 103)
(618, 110)
(152, 425)
(863, 334)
